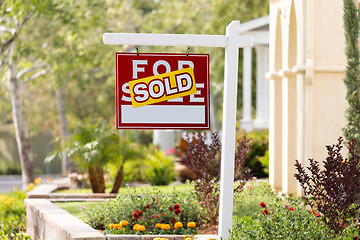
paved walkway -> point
(8, 182)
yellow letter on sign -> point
(162, 87)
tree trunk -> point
(96, 178)
(63, 126)
(100, 175)
(21, 130)
(118, 180)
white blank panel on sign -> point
(183, 112)
(163, 114)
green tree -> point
(351, 80)
(92, 147)
(14, 16)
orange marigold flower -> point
(8, 202)
(111, 226)
(165, 227)
(117, 226)
(124, 223)
(2, 198)
(31, 186)
(178, 225)
(191, 224)
(141, 228)
(158, 225)
(136, 226)
(37, 180)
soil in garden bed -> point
(208, 229)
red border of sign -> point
(191, 126)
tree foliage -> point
(67, 35)
(351, 80)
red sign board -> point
(188, 112)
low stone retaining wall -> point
(46, 221)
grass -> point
(75, 208)
(165, 189)
(246, 202)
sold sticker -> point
(162, 87)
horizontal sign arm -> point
(172, 40)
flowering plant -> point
(13, 215)
(159, 213)
(177, 228)
(286, 220)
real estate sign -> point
(162, 91)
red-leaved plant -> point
(204, 160)
(334, 189)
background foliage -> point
(84, 67)
(12, 215)
(352, 74)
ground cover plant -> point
(287, 219)
(246, 202)
(178, 212)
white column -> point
(262, 88)
(275, 132)
(228, 130)
(246, 121)
(165, 139)
(289, 131)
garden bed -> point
(45, 220)
(258, 214)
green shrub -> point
(259, 144)
(283, 220)
(10, 168)
(333, 189)
(12, 215)
(150, 204)
(134, 171)
(159, 168)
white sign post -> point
(232, 41)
